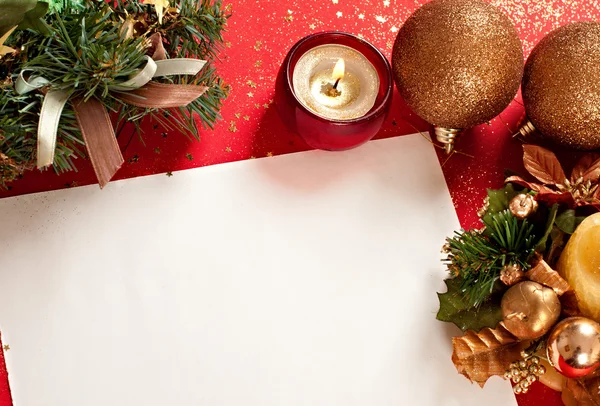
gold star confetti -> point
(189, 156)
(266, 105)
(360, 36)
(238, 115)
(251, 84)
(247, 118)
(258, 45)
(338, 14)
(271, 101)
(394, 29)
(289, 18)
(386, 3)
(269, 154)
(232, 127)
(361, 16)
(312, 26)
(6, 347)
(157, 150)
(250, 94)
(388, 45)
(256, 105)
(227, 149)
(381, 19)
(169, 174)
(228, 44)
(229, 7)
(258, 64)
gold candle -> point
(336, 82)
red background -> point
(259, 35)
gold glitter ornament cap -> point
(561, 86)
(457, 63)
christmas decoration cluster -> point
(68, 66)
(523, 287)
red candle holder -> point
(324, 133)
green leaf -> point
(13, 12)
(500, 199)
(541, 245)
(456, 308)
(567, 222)
(33, 19)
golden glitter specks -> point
(232, 127)
(258, 63)
(251, 84)
(258, 45)
(289, 18)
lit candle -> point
(334, 90)
(336, 82)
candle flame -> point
(339, 70)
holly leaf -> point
(541, 245)
(479, 356)
(500, 199)
(33, 19)
(455, 308)
(13, 12)
(588, 168)
(543, 165)
(568, 222)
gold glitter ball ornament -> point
(457, 64)
(522, 206)
(529, 310)
(573, 347)
(561, 86)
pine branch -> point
(86, 53)
(477, 258)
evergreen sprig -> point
(87, 52)
(477, 257)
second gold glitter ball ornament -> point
(457, 64)
(561, 87)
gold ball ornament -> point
(561, 87)
(529, 310)
(457, 64)
(573, 347)
(522, 206)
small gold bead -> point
(525, 384)
(507, 375)
(522, 364)
(515, 372)
(535, 360)
(533, 369)
(531, 378)
(541, 370)
(516, 379)
(525, 390)
(518, 389)
(524, 373)
(514, 364)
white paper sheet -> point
(302, 280)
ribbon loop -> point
(93, 119)
(23, 85)
(140, 79)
